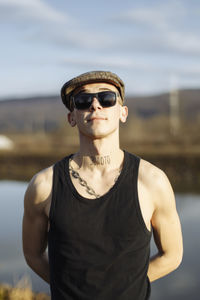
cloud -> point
(30, 10)
(160, 28)
(150, 41)
(183, 42)
(97, 61)
(43, 24)
(157, 16)
(154, 29)
(148, 64)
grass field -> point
(8, 292)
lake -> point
(182, 284)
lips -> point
(96, 118)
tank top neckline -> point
(104, 196)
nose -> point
(95, 104)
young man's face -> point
(98, 121)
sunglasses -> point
(84, 100)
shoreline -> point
(182, 169)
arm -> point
(166, 230)
(35, 224)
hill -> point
(48, 113)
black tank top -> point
(98, 248)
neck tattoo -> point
(83, 182)
(100, 160)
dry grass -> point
(21, 291)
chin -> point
(99, 134)
(96, 136)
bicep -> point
(167, 232)
(34, 234)
(35, 224)
(165, 221)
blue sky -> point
(152, 45)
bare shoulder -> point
(38, 192)
(150, 174)
(157, 183)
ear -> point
(123, 114)
(71, 119)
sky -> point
(152, 45)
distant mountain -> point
(148, 106)
(48, 113)
(32, 114)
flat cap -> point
(90, 77)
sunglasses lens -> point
(84, 100)
(107, 99)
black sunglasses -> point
(83, 101)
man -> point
(96, 209)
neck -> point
(99, 153)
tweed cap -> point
(90, 77)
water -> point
(12, 264)
(182, 284)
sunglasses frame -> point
(96, 95)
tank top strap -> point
(58, 181)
